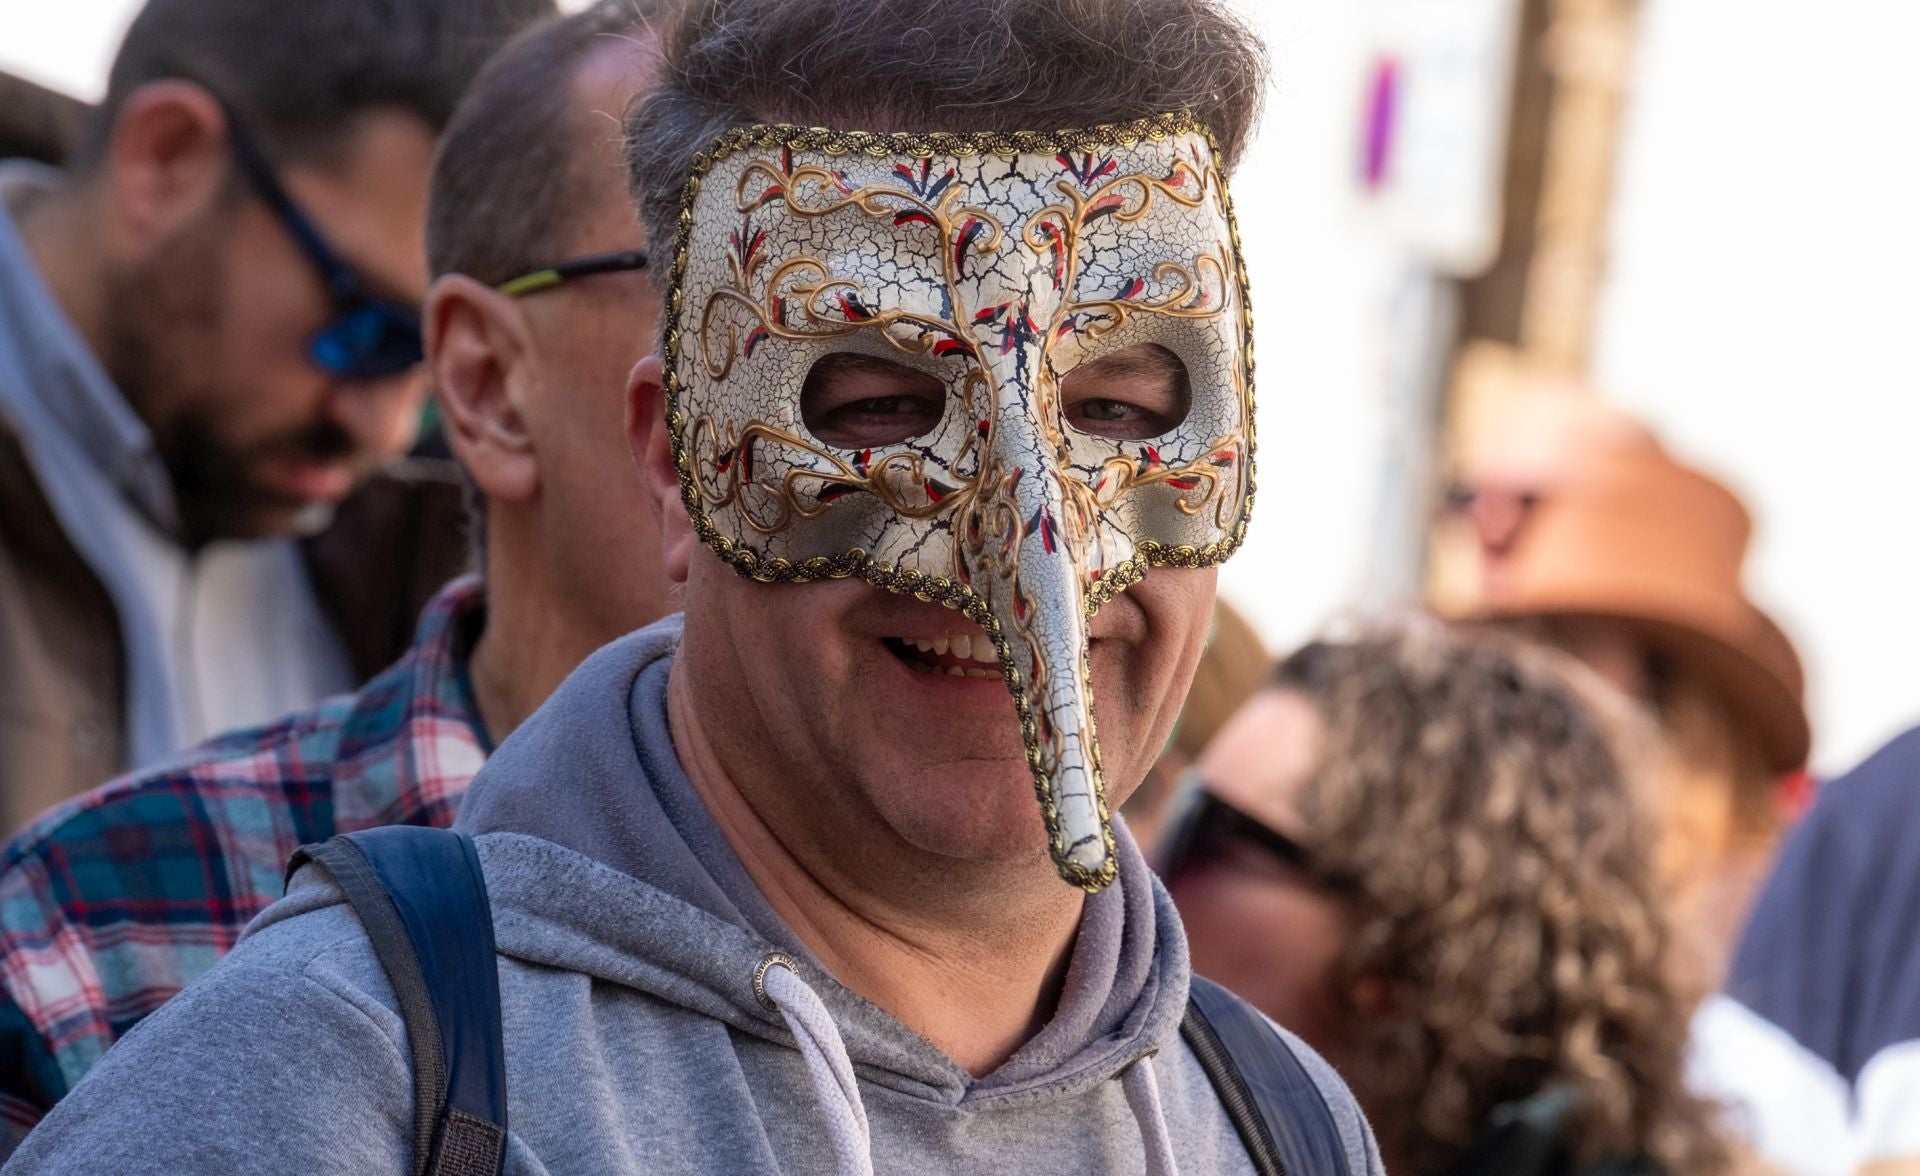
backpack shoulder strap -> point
(421, 897)
(1267, 1093)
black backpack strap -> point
(1522, 1138)
(1271, 1099)
(420, 895)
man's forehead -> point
(618, 69)
(596, 214)
(368, 196)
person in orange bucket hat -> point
(1572, 521)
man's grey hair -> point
(922, 65)
(512, 172)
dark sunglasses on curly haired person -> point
(368, 337)
(1205, 828)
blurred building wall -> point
(1760, 306)
(1323, 282)
(1764, 312)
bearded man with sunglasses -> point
(542, 305)
(209, 340)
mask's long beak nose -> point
(1023, 552)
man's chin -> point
(311, 518)
(257, 517)
(980, 811)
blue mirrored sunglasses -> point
(369, 337)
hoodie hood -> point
(601, 859)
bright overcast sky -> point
(69, 44)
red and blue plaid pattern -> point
(115, 901)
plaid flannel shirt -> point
(115, 901)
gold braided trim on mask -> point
(943, 590)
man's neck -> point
(977, 978)
(53, 226)
(534, 634)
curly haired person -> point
(1421, 852)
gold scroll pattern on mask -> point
(899, 479)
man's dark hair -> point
(917, 65)
(513, 162)
(299, 72)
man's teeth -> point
(964, 647)
(977, 649)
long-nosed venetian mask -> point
(996, 263)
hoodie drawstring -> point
(1143, 1095)
(778, 984)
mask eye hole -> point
(1132, 394)
(853, 401)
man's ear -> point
(479, 357)
(1373, 997)
(652, 444)
(166, 160)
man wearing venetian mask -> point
(951, 422)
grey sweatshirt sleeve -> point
(260, 1066)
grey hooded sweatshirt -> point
(628, 937)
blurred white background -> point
(1763, 310)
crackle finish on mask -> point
(997, 263)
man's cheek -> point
(1127, 697)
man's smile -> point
(958, 655)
